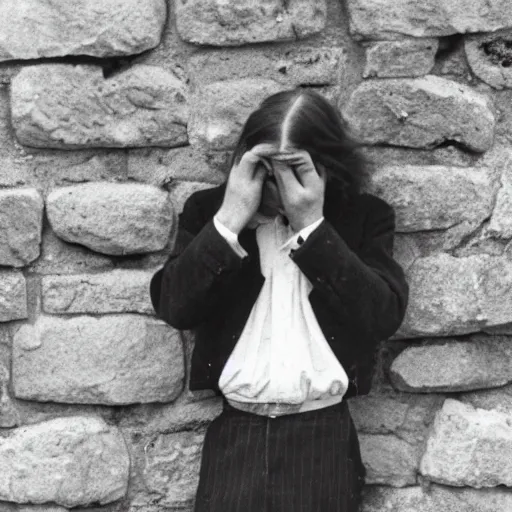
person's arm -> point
(367, 292)
(203, 264)
(196, 274)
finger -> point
(251, 166)
(264, 150)
(260, 173)
(266, 164)
(286, 181)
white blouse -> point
(282, 356)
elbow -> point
(176, 318)
(166, 309)
(394, 313)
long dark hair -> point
(316, 126)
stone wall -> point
(112, 113)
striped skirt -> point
(306, 462)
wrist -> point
(229, 220)
(304, 222)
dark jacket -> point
(359, 292)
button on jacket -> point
(359, 293)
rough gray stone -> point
(436, 498)
(54, 167)
(181, 415)
(13, 296)
(495, 286)
(172, 467)
(452, 295)
(500, 225)
(497, 399)
(165, 166)
(111, 360)
(59, 257)
(64, 106)
(420, 113)
(220, 23)
(219, 110)
(406, 416)
(434, 197)
(469, 447)
(31, 412)
(490, 57)
(503, 102)
(21, 220)
(480, 362)
(389, 460)
(449, 156)
(288, 65)
(444, 296)
(118, 291)
(32, 29)
(8, 414)
(70, 461)
(371, 19)
(41, 508)
(405, 58)
(112, 218)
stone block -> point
(112, 218)
(406, 416)
(160, 166)
(434, 197)
(500, 225)
(13, 296)
(498, 399)
(389, 460)
(21, 221)
(444, 296)
(448, 156)
(285, 64)
(476, 363)
(420, 113)
(39, 508)
(220, 23)
(181, 415)
(219, 110)
(495, 291)
(53, 167)
(436, 498)
(69, 461)
(503, 102)
(469, 447)
(63, 106)
(172, 467)
(33, 29)
(8, 414)
(371, 19)
(490, 57)
(111, 360)
(118, 291)
(457, 295)
(404, 58)
(60, 257)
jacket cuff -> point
(216, 253)
(322, 251)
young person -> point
(286, 274)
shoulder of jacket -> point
(206, 200)
(376, 205)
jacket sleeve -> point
(367, 292)
(196, 274)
